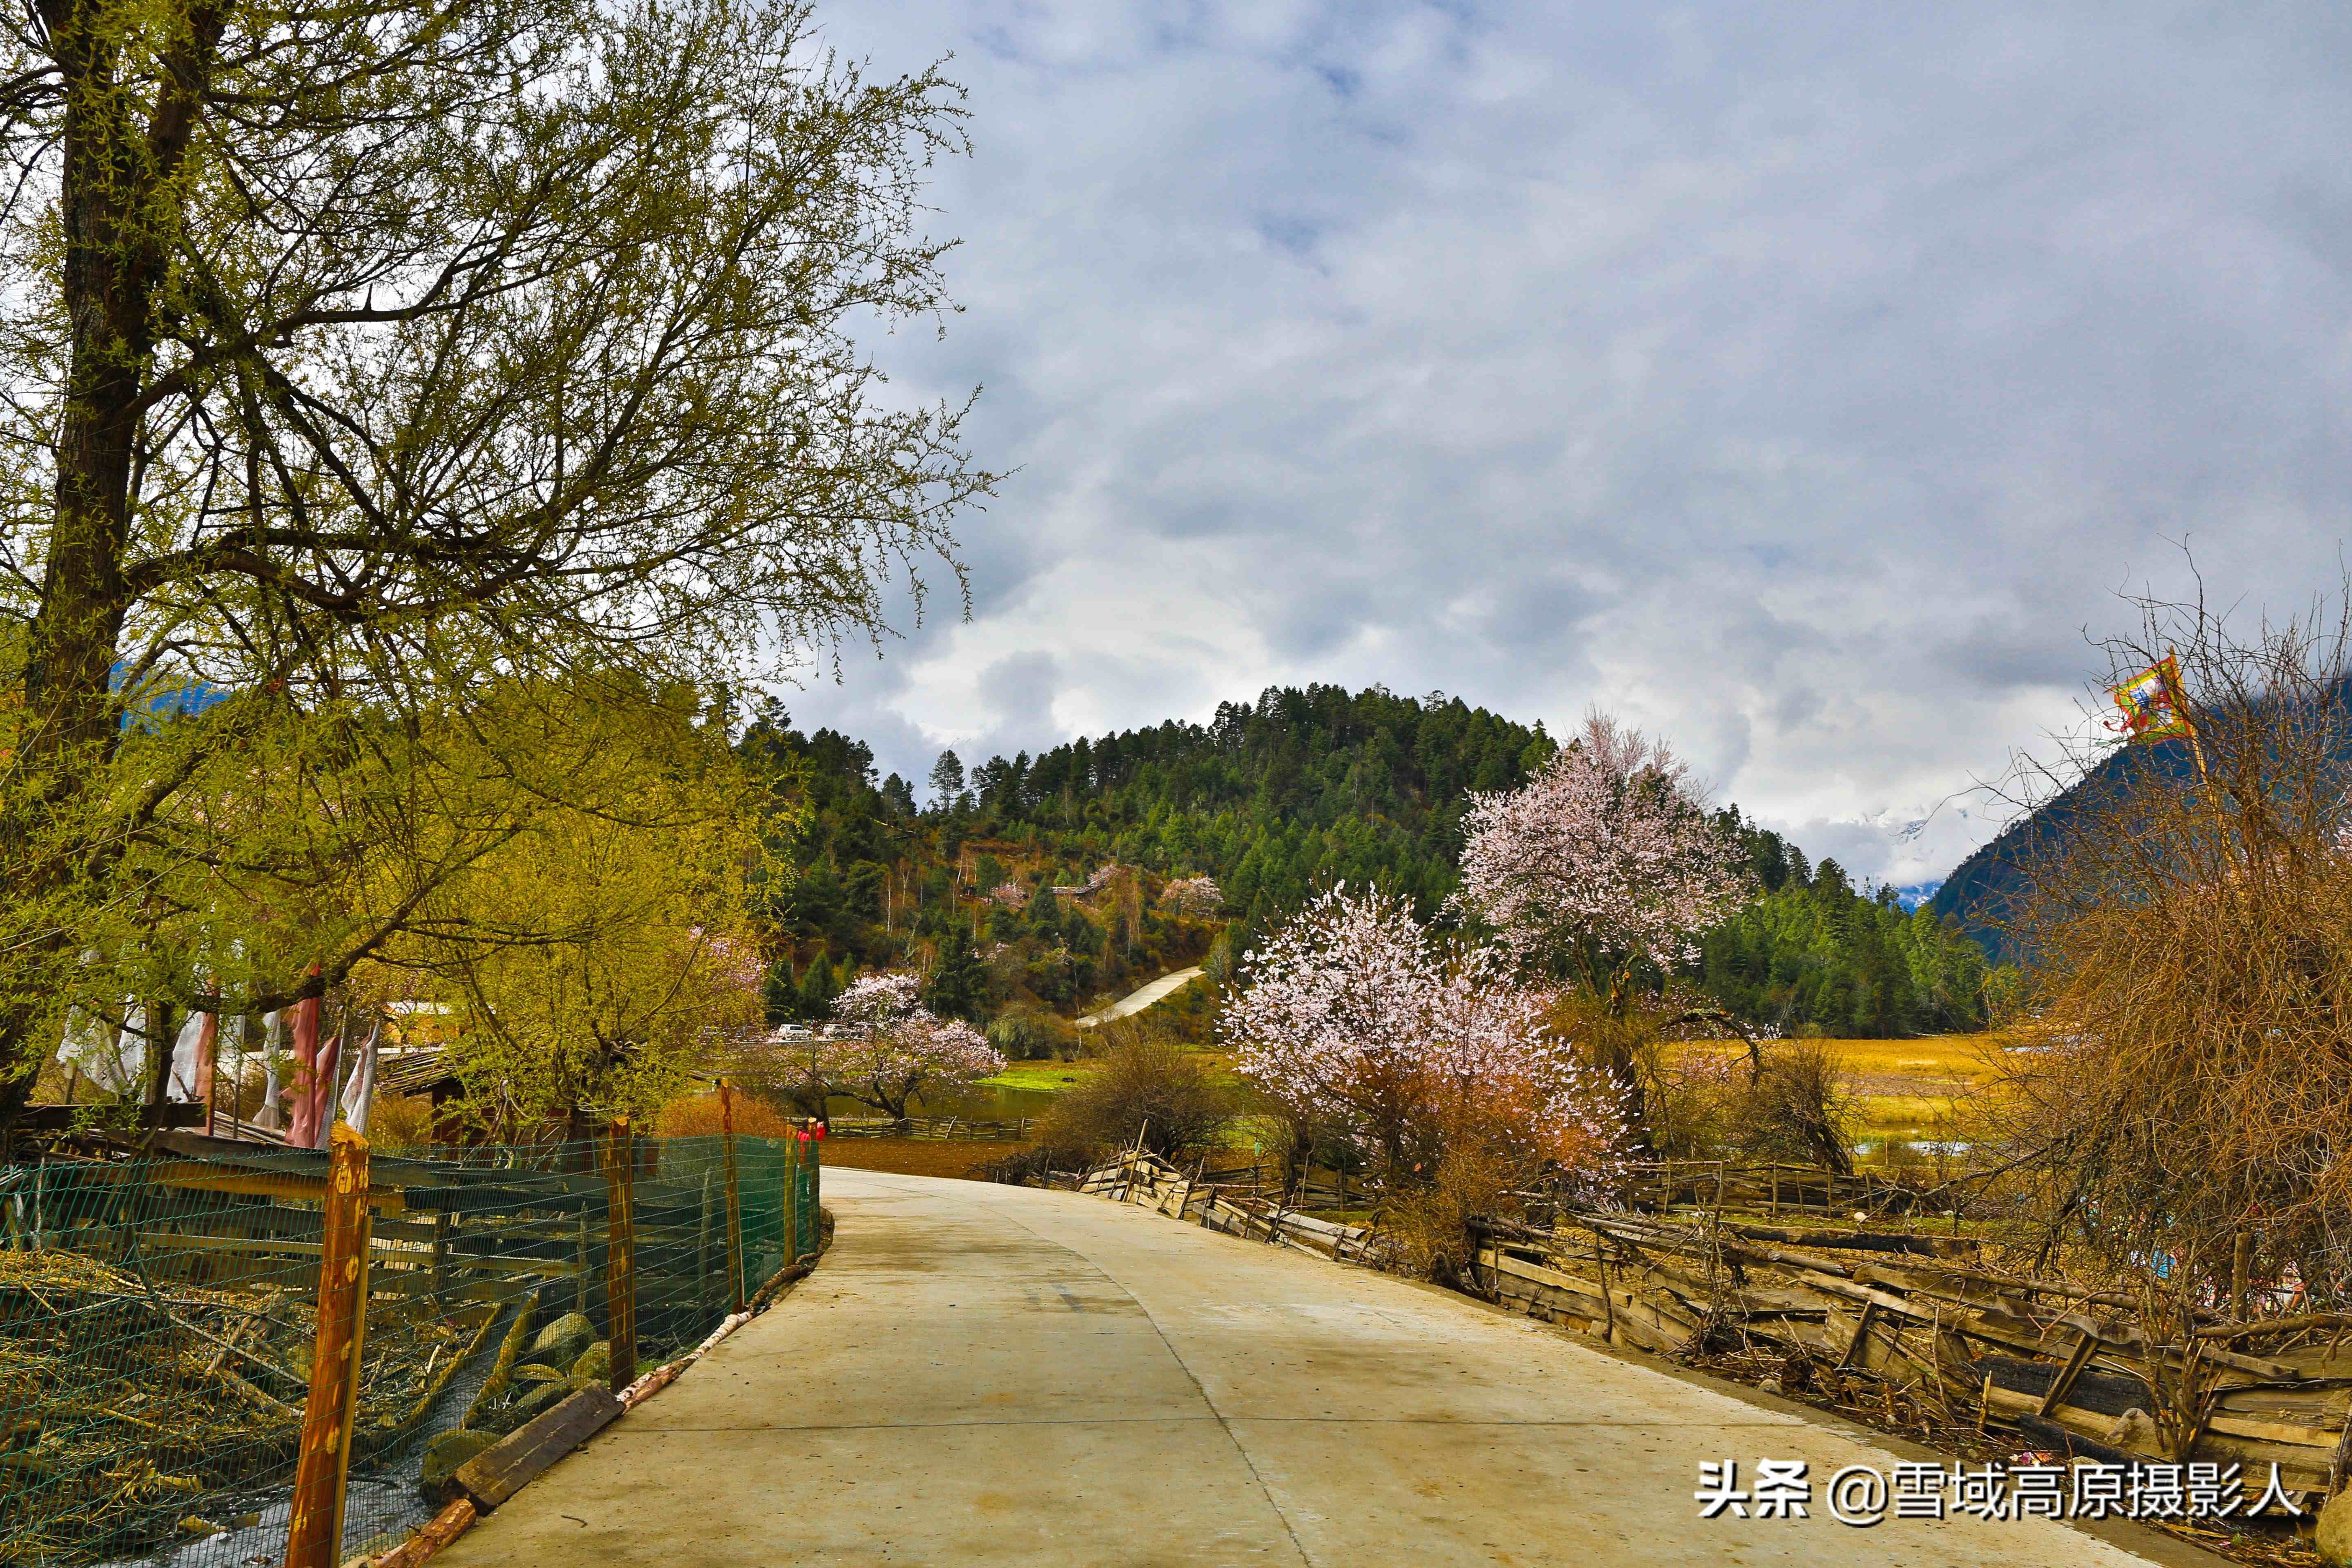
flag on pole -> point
(2151, 704)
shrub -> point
(400, 1122)
(1147, 1084)
(1796, 1108)
(1433, 1222)
(1033, 1037)
(697, 1116)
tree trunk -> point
(162, 1037)
(120, 222)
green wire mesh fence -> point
(157, 1319)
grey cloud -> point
(1800, 381)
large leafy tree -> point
(360, 354)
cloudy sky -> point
(1798, 381)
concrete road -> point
(1143, 996)
(984, 1374)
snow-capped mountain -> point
(1912, 848)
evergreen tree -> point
(780, 999)
(817, 989)
(947, 780)
(1274, 800)
(959, 984)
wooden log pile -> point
(2063, 1364)
(1151, 1183)
(1772, 1190)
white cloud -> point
(1798, 381)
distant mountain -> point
(1913, 895)
(1274, 800)
(1975, 895)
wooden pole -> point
(620, 1253)
(315, 1533)
(2180, 699)
(734, 1199)
(207, 1064)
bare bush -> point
(1794, 1107)
(2187, 933)
(1434, 1223)
(1149, 1088)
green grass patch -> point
(1046, 1078)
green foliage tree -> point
(1810, 950)
(357, 354)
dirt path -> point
(987, 1374)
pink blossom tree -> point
(1353, 1018)
(1603, 865)
(1604, 862)
(886, 1047)
(1192, 895)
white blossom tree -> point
(1353, 1018)
(1606, 860)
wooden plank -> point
(2063, 1384)
(439, 1531)
(191, 1175)
(1504, 1262)
(505, 1467)
(2319, 1438)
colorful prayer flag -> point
(2151, 704)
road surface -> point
(1143, 996)
(987, 1374)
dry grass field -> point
(1906, 1088)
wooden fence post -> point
(734, 1200)
(620, 1253)
(2242, 1267)
(314, 1534)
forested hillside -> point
(1270, 800)
(1811, 951)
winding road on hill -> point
(990, 1374)
(1143, 996)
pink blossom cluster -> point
(1355, 1017)
(734, 966)
(888, 1048)
(1193, 896)
(1607, 851)
(1009, 895)
(1099, 877)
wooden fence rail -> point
(1014, 1130)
